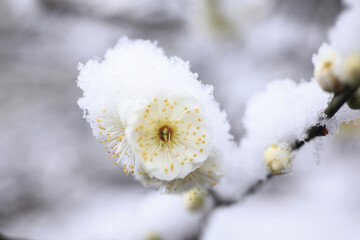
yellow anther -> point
(195, 154)
(155, 99)
(182, 163)
(104, 111)
(172, 166)
(201, 150)
(199, 119)
(98, 119)
(166, 169)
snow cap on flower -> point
(278, 158)
(158, 116)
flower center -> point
(165, 133)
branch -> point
(318, 130)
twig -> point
(318, 130)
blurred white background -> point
(55, 180)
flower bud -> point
(324, 72)
(193, 200)
(352, 69)
(354, 101)
(278, 159)
(153, 236)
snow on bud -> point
(193, 200)
(324, 64)
(159, 121)
(278, 158)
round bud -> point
(351, 70)
(325, 76)
(193, 200)
(278, 159)
(354, 101)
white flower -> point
(278, 158)
(324, 73)
(201, 179)
(117, 144)
(170, 136)
(159, 118)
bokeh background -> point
(55, 179)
